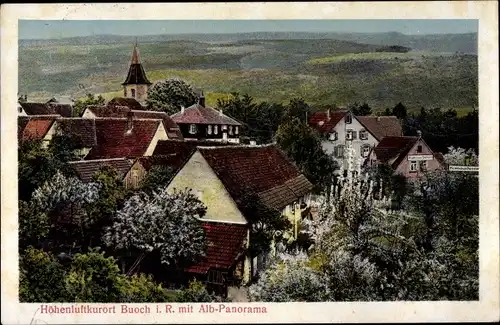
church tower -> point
(137, 84)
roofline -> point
(238, 146)
(368, 129)
(97, 160)
(223, 221)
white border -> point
(487, 309)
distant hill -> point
(463, 43)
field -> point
(322, 71)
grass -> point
(370, 56)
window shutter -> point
(354, 135)
(336, 151)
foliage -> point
(170, 95)
(360, 109)
(89, 100)
(399, 111)
(197, 292)
(297, 108)
(142, 288)
(459, 156)
(158, 176)
(303, 146)
(40, 277)
(167, 223)
(33, 224)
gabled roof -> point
(198, 114)
(394, 149)
(116, 140)
(136, 74)
(381, 126)
(324, 125)
(83, 129)
(34, 127)
(257, 170)
(47, 109)
(131, 103)
(225, 244)
(86, 169)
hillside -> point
(323, 71)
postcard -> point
(250, 162)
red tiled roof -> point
(47, 109)
(86, 169)
(381, 126)
(115, 141)
(328, 124)
(198, 114)
(225, 244)
(34, 128)
(261, 170)
(128, 102)
(83, 129)
(394, 147)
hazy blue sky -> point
(39, 29)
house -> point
(82, 131)
(36, 127)
(129, 171)
(50, 108)
(409, 156)
(136, 83)
(126, 137)
(62, 100)
(119, 111)
(131, 103)
(202, 122)
(229, 180)
(341, 128)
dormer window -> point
(132, 92)
(230, 130)
(209, 129)
(348, 119)
(236, 130)
(333, 136)
(216, 129)
(192, 128)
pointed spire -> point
(135, 54)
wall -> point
(160, 134)
(88, 114)
(198, 175)
(48, 136)
(141, 92)
(404, 167)
(202, 133)
(134, 176)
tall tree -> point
(170, 95)
(297, 108)
(399, 111)
(90, 100)
(360, 109)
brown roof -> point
(115, 140)
(83, 129)
(225, 244)
(394, 148)
(257, 170)
(198, 114)
(47, 109)
(86, 169)
(34, 127)
(136, 74)
(131, 103)
(320, 121)
(381, 126)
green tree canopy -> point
(90, 100)
(170, 95)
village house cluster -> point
(202, 146)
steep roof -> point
(320, 121)
(225, 244)
(83, 129)
(47, 109)
(381, 126)
(257, 170)
(131, 103)
(34, 127)
(86, 169)
(394, 148)
(203, 114)
(116, 140)
(136, 74)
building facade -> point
(136, 84)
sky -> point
(49, 29)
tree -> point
(460, 156)
(297, 108)
(90, 100)
(399, 111)
(40, 277)
(303, 146)
(170, 95)
(360, 110)
(142, 288)
(197, 292)
(158, 176)
(166, 223)
(33, 224)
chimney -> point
(328, 114)
(130, 123)
(201, 99)
(182, 109)
(220, 112)
(378, 118)
(419, 133)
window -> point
(333, 136)
(216, 276)
(135, 178)
(363, 135)
(216, 129)
(419, 148)
(231, 130)
(236, 130)
(338, 151)
(348, 135)
(224, 127)
(423, 166)
(413, 166)
(124, 92)
(19, 109)
(209, 129)
(192, 128)
(348, 119)
(132, 92)
(365, 150)
(354, 135)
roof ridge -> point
(96, 160)
(238, 146)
